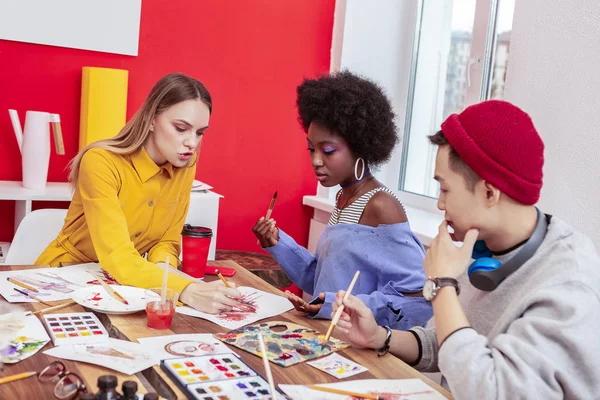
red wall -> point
(250, 54)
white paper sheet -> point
(198, 186)
(184, 345)
(52, 283)
(26, 341)
(119, 355)
(338, 366)
(392, 389)
(257, 305)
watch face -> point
(428, 288)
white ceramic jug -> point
(35, 145)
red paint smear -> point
(292, 336)
(244, 308)
(228, 336)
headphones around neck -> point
(486, 273)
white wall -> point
(111, 26)
(554, 74)
(377, 43)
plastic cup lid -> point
(196, 231)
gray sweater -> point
(537, 336)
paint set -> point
(216, 377)
(74, 328)
(286, 343)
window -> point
(460, 54)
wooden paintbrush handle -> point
(57, 130)
(40, 300)
(337, 315)
(106, 286)
(70, 303)
(345, 392)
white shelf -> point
(14, 190)
(54, 191)
(204, 205)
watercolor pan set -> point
(74, 328)
(216, 377)
(255, 388)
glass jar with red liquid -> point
(160, 315)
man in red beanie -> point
(522, 322)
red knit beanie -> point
(498, 141)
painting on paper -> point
(52, 284)
(287, 343)
(338, 366)
(28, 337)
(392, 389)
(253, 306)
(183, 345)
(119, 355)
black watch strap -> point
(441, 282)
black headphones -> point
(486, 273)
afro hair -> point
(352, 107)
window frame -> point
(483, 51)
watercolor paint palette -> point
(287, 343)
(207, 368)
(75, 328)
(216, 377)
(247, 388)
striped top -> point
(352, 213)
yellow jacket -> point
(122, 208)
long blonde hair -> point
(168, 91)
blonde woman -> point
(132, 195)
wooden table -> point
(133, 326)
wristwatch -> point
(432, 285)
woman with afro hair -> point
(350, 129)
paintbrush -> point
(16, 377)
(33, 297)
(43, 310)
(271, 206)
(163, 290)
(347, 393)
(338, 313)
(109, 289)
(263, 351)
(270, 210)
(23, 285)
